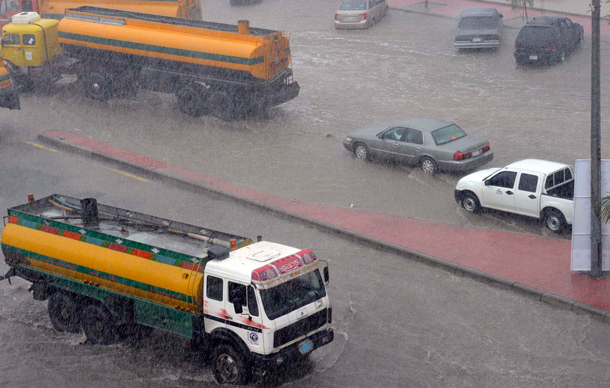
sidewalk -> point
(576, 10)
(537, 266)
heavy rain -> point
(398, 321)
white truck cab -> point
(531, 187)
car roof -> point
(538, 165)
(479, 12)
(545, 20)
(425, 124)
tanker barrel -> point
(89, 211)
(243, 27)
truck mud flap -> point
(10, 99)
(284, 93)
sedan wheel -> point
(361, 151)
(429, 167)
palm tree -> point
(518, 4)
(605, 209)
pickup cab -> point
(531, 187)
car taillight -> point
(336, 15)
(516, 46)
(553, 47)
(364, 15)
(460, 156)
(486, 148)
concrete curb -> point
(407, 253)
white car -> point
(531, 187)
(360, 13)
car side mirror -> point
(500, 16)
(487, 182)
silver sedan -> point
(435, 145)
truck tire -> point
(97, 86)
(221, 105)
(99, 325)
(64, 312)
(229, 366)
(471, 203)
(555, 221)
(190, 101)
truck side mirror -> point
(325, 273)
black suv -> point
(547, 39)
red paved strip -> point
(538, 262)
(106, 149)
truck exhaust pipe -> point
(243, 27)
(89, 212)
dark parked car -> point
(547, 39)
(479, 28)
(431, 143)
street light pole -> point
(596, 228)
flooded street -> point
(451, 331)
(405, 67)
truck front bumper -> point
(261, 364)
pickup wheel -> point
(229, 366)
(471, 203)
(64, 312)
(99, 325)
(555, 221)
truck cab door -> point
(214, 299)
(12, 49)
(527, 195)
(243, 307)
(499, 193)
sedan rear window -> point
(478, 23)
(448, 134)
(353, 6)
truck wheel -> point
(229, 366)
(471, 203)
(63, 311)
(428, 166)
(221, 105)
(99, 325)
(555, 221)
(97, 86)
(190, 101)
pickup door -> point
(513, 191)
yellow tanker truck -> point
(113, 272)
(219, 69)
(9, 97)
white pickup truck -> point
(531, 187)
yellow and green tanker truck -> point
(9, 97)
(219, 69)
(113, 272)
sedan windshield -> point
(353, 6)
(477, 23)
(293, 294)
(448, 134)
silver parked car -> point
(360, 13)
(431, 143)
(479, 28)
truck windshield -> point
(293, 294)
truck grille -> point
(300, 328)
